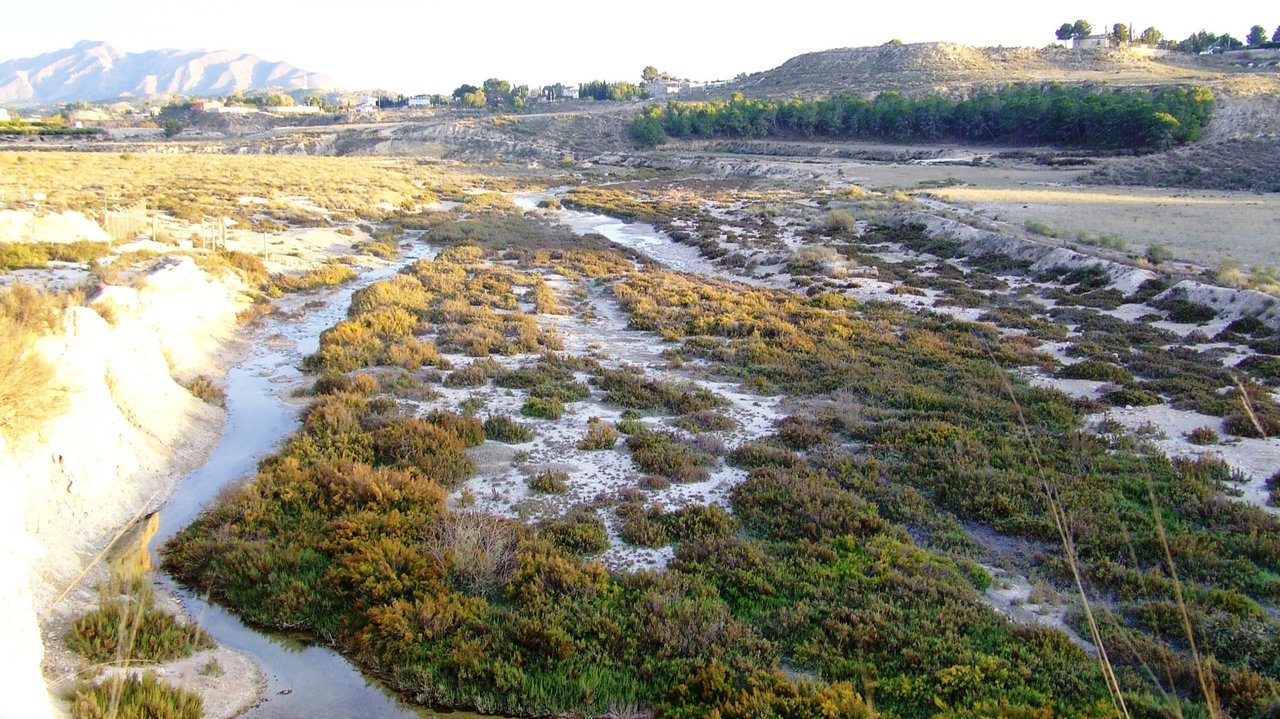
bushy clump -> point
(630, 423)
(330, 275)
(1202, 436)
(654, 527)
(550, 481)
(665, 454)
(204, 388)
(434, 450)
(543, 407)
(752, 455)
(1181, 309)
(1265, 367)
(1132, 396)
(699, 522)
(332, 382)
(474, 374)
(1273, 489)
(579, 531)
(135, 697)
(1043, 229)
(642, 527)
(501, 428)
(133, 629)
(706, 420)
(22, 255)
(598, 435)
(801, 433)
(1245, 424)
(632, 390)
(1096, 370)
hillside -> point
(97, 71)
(940, 67)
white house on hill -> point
(1088, 41)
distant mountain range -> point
(95, 71)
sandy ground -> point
(500, 485)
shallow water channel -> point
(309, 680)
(303, 680)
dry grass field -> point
(191, 185)
(1199, 226)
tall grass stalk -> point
(1203, 677)
(1062, 524)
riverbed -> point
(303, 680)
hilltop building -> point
(1090, 41)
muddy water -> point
(302, 680)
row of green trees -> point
(1195, 43)
(604, 90)
(1017, 114)
(1204, 40)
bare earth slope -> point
(940, 67)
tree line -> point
(1016, 114)
(1196, 43)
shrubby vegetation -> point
(1017, 114)
(852, 568)
(135, 697)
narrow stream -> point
(303, 680)
(640, 236)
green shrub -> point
(706, 420)
(134, 629)
(1181, 309)
(580, 531)
(1242, 424)
(752, 455)
(1096, 370)
(1273, 489)
(1265, 367)
(642, 527)
(474, 374)
(1131, 397)
(801, 433)
(135, 697)
(665, 454)
(542, 407)
(699, 522)
(550, 481)
(1036, 227)
(598, 435)
(502, 428)
(1202, 436)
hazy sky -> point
(428, 46)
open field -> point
(1202, 227)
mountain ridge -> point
(94, 70)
